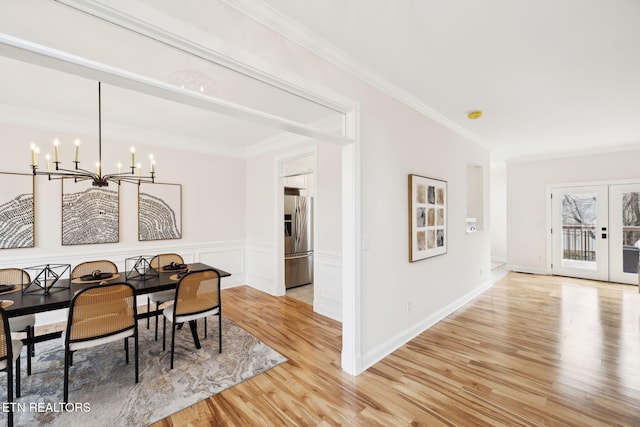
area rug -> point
(102, 388)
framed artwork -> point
(159, 211)
(90, 215)
(17, 211)
(427, 217)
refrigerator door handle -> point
(297, 256)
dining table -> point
(18, 303)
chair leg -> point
(219, 332)
(18, 376)
(10, 391)
(205, 328)
(157, 308)
(67, 360)
(30, 347)
(164, 333)
(126, 349)
(173, 341)
(135, 351)
(33, 346)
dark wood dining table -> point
(59, 298)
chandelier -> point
(133, 176)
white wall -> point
(527, 199)
(498, 208)
(213, 204)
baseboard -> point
(383, 350)
(528, 269)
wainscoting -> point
(327, 298)
(227, 255)
(250, 263)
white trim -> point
(351, 357)
(142, 19)
(327, 264)
(528, 269)
(22, 50)
(400, 339)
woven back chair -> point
(20, 324)
(161, 260)
(197, 297)
(157, 262)
(88, 267)
(9, 356)
(98, 315)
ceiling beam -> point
(22, 50)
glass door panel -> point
(580, 231)
(625, 233)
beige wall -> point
(527, 199)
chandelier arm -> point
(79, 174)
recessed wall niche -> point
(475, 205)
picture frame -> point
(17, 210)
(159, 211)
(427, 217)
(90, 214)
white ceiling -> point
(551, 77)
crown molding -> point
(152, 23)
(288, 28)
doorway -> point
(299, 212)
(596, 232)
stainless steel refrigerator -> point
(298, 241)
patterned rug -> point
(102, 389)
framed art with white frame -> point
(427, 217)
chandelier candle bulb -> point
(77, 155)
(56, 145)
(34, 156)
(79, 174)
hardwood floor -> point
(530, 351)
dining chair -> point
(197, 297)
(159, 298)
(88, 267)
(98, 315)
(20, 325)
(9, 355)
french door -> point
(595, 230)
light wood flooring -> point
(530, 351)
